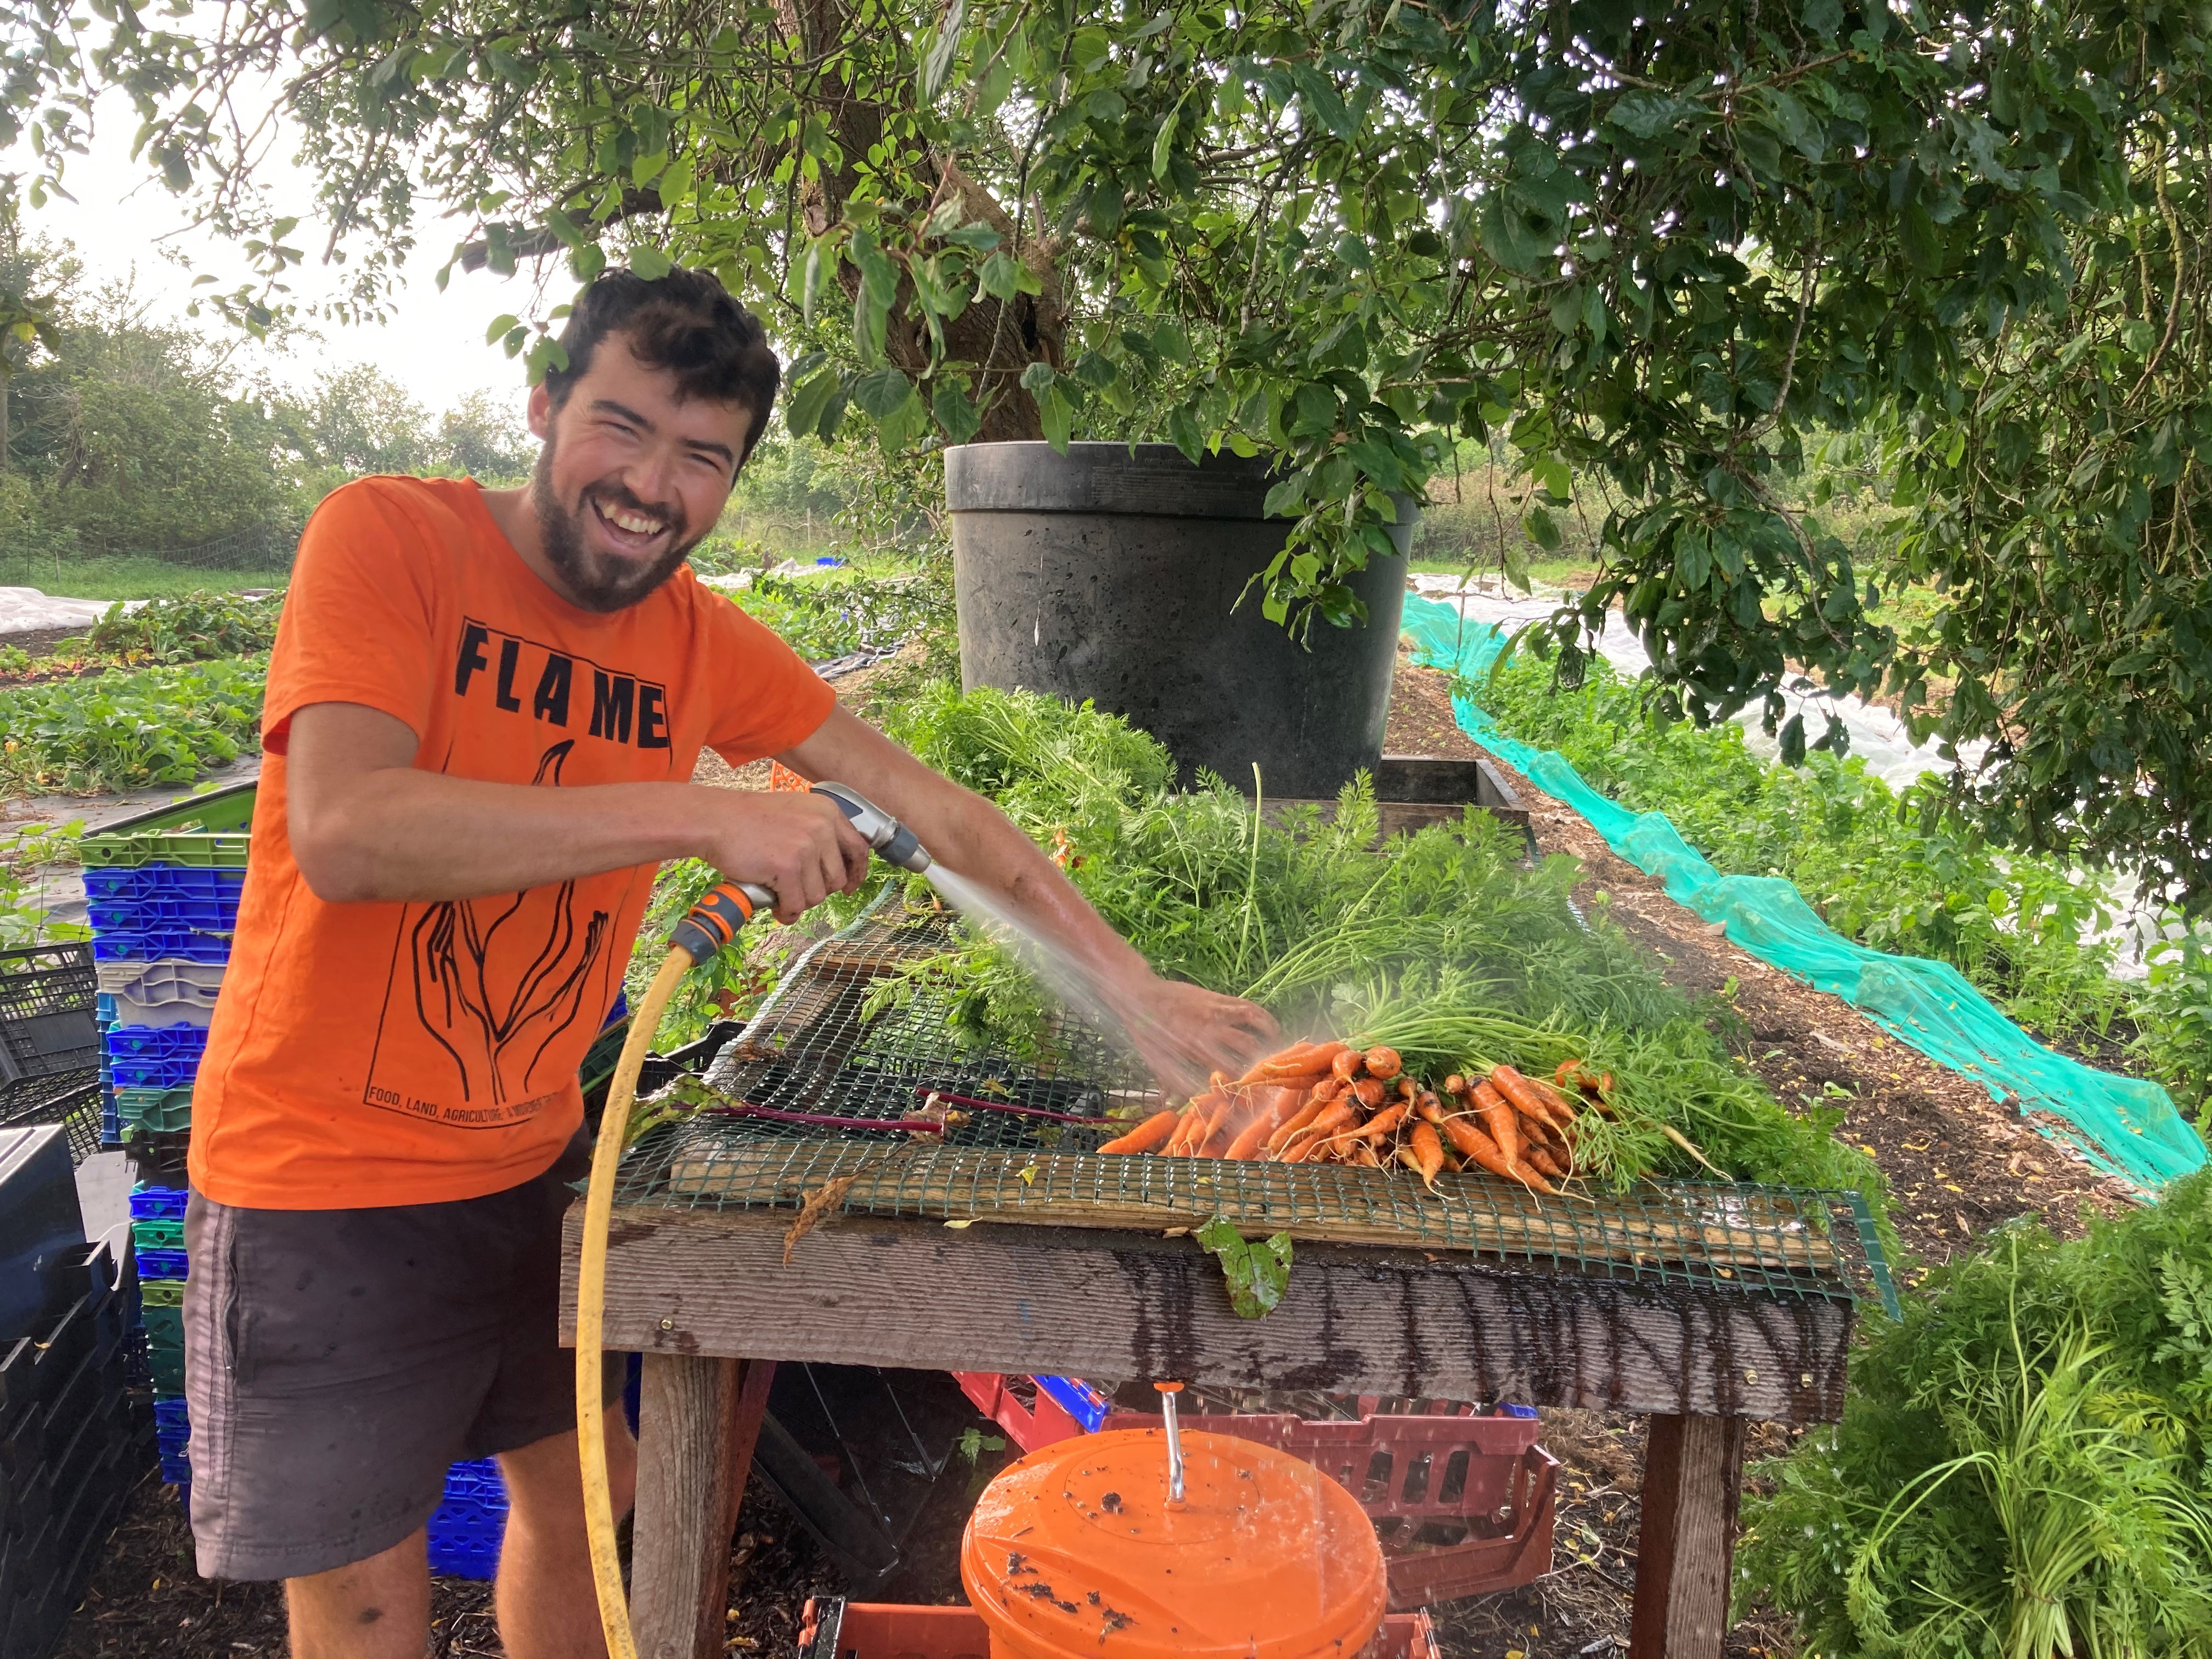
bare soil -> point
(1957, 1161)
(41, 641)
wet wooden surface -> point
(1125, 1305)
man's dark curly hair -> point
(684, 323)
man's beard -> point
(601, 582)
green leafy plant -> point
(2020, 1470)
(837, 613)
(1258, 1271)
(24, 852)
(1452, 930)
(121, 729)
(1883, 867)
(197, 628)
(2174, 1014)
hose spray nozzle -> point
(714, 919)
(892, 841)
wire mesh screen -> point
(864, 1030)
(846, 1071)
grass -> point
(134, 578)
(1542, 572)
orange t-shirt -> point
(377, 1053)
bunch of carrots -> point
(1335, 1102)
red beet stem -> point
(950, 1099)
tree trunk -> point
(1002, 338)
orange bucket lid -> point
(1077, 1551)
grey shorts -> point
(336, 1361)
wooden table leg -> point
(1686, 1551)
(745, 1433)
(688, 1423)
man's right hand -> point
(800, 847)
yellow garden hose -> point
(713, 922)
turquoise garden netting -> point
(2125, 1125)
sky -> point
(125, 223)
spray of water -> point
(1178, 1061)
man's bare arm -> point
(365, 824)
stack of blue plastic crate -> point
(157, 1237)
(470, 1523)
(160, 939)
(155, 911)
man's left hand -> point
(1186, 1033)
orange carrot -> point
(1555, 1145)
(1346, 1064)
(1315, 1103)
(1564, 1105)
(1467, 1139)
(1228, 1118)
(1539, 1159)
(1190, 1133)
(1285, 1055)
(1360, 1153)
(1383, 1062)
(1146, 1137)
(1375, 1128)
(1300, 1059)
(1336, 1116)
(1472, 1143)
(1498, 1119)
(1542, 1132)
(1428, 1151)
(1370, 1093)
(1531, 1098)
(1264, 1122)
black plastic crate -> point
(68, 1099)
(74, 1441)
(46, 1018)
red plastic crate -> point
(1463, 1505)
(1030, 1427)
(833, 1628)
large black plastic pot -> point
(1114, 576)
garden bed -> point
(1957, 1164)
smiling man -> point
(483, 713)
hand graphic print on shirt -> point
(495, 982)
